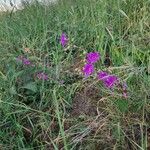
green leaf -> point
(12, 90)
(122, 105)
(31, 86)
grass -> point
(44, 115)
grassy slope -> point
(36, 117)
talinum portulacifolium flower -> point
(108, 80)
(63, 39)
(92, 57)
(24, 60)
(42, 76)
(88, 69)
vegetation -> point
(66, 110)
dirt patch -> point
(85, 101)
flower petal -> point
(92, 57)
(88, 69)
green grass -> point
(37, 114)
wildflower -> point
(63, 40)
(26, 61)
(108, 80)
(124, 87)
(102, 75)
(42, 76)
(111, 81)
(92, 57)
(88, 69)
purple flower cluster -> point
(91, 58)
(27, 62)
(109, 80)
(88, 69)
(63, 40)
(24, 60)
(42, 76)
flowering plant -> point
(109, 80)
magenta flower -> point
(109, 80)
(63, 40)
(102, 75)
(24, 60)
(92, 57)
(88, 69)
(42, 76)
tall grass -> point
(36, 114)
